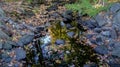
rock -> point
(1, 45)
(6, 57)
(59, 42)
(2, 13)
(116, 19)
(20, 53)
(113, 34)
(106, 33)
(114, 65)
(62, 24)
(67, 16)
(90, 65)
(91, 24)
(101, 20)
(3, 35)
(7, 46)
(93, 41)
(39, 29)
(52, 8)
(101, 49)
(111, 43)
(99, 40)
(71, 34)
(97, 30)
(115, 7)
(68, 26)
(88, 36)
(26, 39)
(116, 50)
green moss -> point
(89, 7)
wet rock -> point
(20, 53)
(2, 13)
(106, 33)
(71, 34)
(1, 45)
(3, 35)
(7, 46)
(101, 20)
(101, 49)
(26, 39)
(59, 42)
(115, 7)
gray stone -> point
(106, 33)
(26, 39)
(90, 65)
(68, 26)
(115, 7)
(20, 53)
(2, 13)
(71, 34)
(99, 40)
(116, 19)
(3, 35)
(97, 30)
(116, 50)
(114, 65)
(113, 34)
(101, 20)
(91, 24)
(101, 49)
(59, 42)
(6, 57)
(88, 36)
(7, 46)
(1, 45)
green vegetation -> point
(89, 7)
(79, 53)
